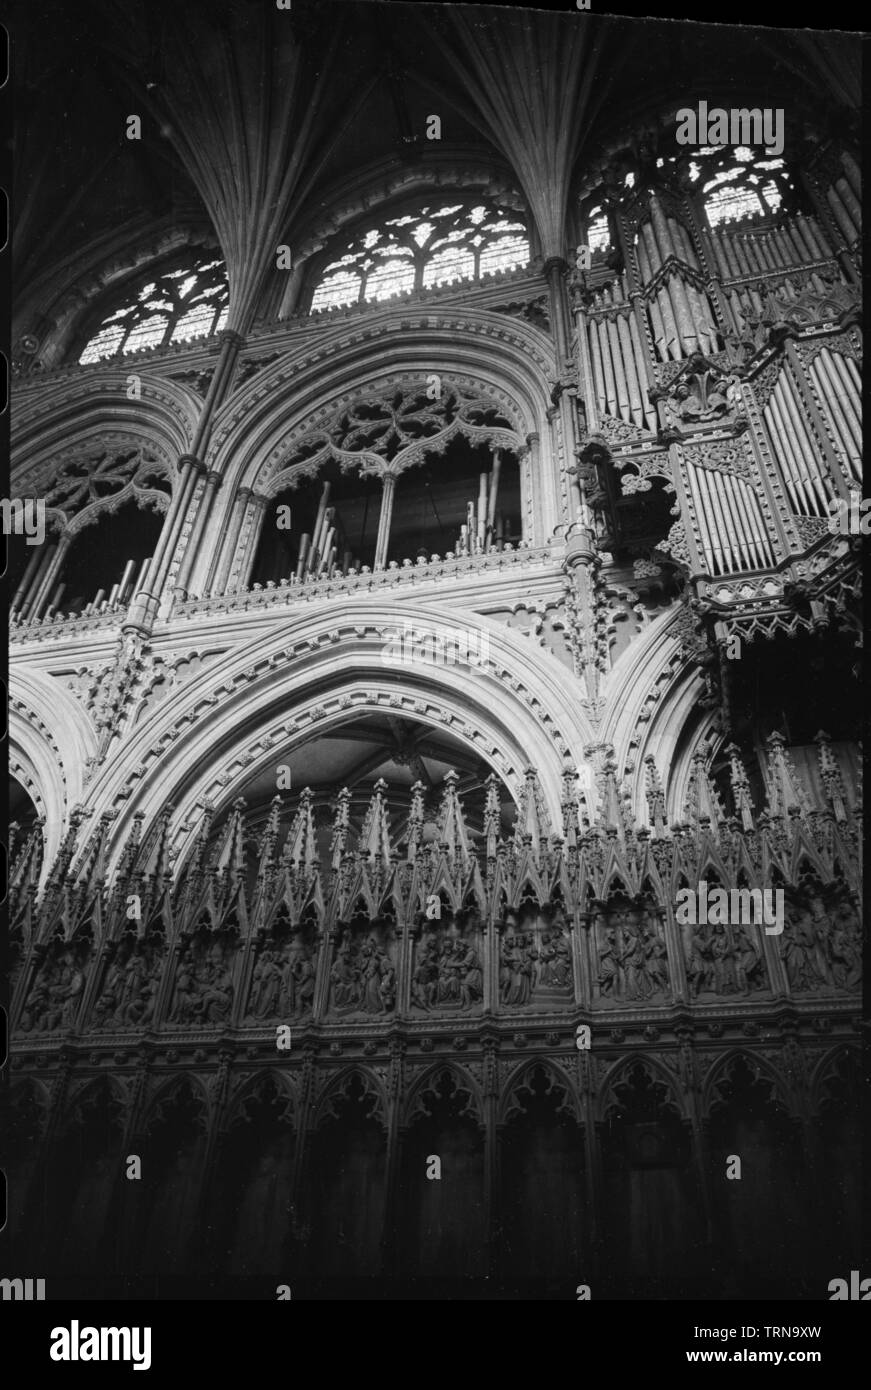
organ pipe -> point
(789, 455)
(32, 566)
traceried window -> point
(737, 182)
(437, 245)
(185, 301)
(741, 184)
(597, 234)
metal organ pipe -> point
(813, 470)
(837, 422)
(598, 374)
(32, 564)
(654, 254)
(658, 327)
(715, 492)
(833, 385)
(785, 451)
(619, 371)
(727, 486)
(731, 257)
(672, 336)
(824, 251)
(799, 249)
(850, 401)
(661, 229)
(641, 368)
(683, 314)
(758, 544)
(720, 256)
(853, 171)
(840, 214)
(849, 204)
(805, 501)
(636, 409)
(713, 523)
(806, 467)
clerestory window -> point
(182, 302)
(439, 244)
(738, 183)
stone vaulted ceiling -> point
(256, 120)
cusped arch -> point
(508, 359)
(415, 1105)
(827, 1070)
(519, 1077)
(88, 1090)
(250, 1090)
(337, 1088)
(173, 1089)
(655, 1069)
(759, 1067)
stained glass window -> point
(438, 245)
(182, 302)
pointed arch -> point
(518, 1079)
(416, 1107)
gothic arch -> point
(827, 1069)
(51, 739)
(89, 1090)
(336, 1088)
(172, 1089)
(240, 709)
(520, 1076)
(510, 359)
(662, 712)
(126, 255)
(761, 1069)
(67, 414)
(379, 187)
(657, 1073)
(251, 1089)
(415, 1105)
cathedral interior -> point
(437, 463)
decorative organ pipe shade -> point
(731, 526)
(837, 384)
(797, 451)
